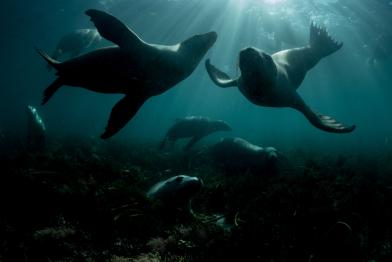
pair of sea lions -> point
(141, 70)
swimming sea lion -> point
(273, 80)
(195, 127)
(76, 42)
(133, 67)
(382, 49)
(36, 131)
(176, 191)
(238, 155)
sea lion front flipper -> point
(320, 121)
(163, 143)
(113, 29)
(121, 113)
(218, 77)
(192, 142)
(50, 90)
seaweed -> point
(84, 199)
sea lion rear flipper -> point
(321, 42)
(320, 121)
(218, 77)
(50, 90)
(52, 62)
(121, 113)
(113, 29)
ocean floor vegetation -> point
(84, 199)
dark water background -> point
(342, 85)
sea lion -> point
(382, 49)
(133, 67)
(176, 191)
(75, 42)
(239, 155)
(273, 80)
(195, 127)
(36, 131)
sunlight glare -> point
(273, 2)
(243, 3)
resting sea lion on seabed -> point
(238, 155)
(195, 127)
(272, 80)
(176, 191)
(133, 67)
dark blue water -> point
(342, 85)
(328, 198)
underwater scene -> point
(196, 130)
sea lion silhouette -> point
(133, 67)
(195, 127)
(272, 80)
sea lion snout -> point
(248, 53)
(249, 57)
(222, 126)
(202, 41)
(248, 50)
(195, 185)
(257, 67)
(272, 153)
(211, 38)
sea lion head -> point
(197, 46)
(257, 66)
(176, 189)
(220, 125)
(272, 154)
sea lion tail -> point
(52, 62)
(321, 42)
